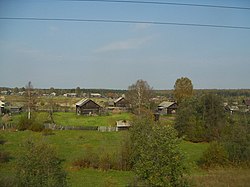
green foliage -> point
(34, 123)
(39, 166)
(236, 141)
(139, 95)
(156, 156)
(188, 121)
(214, 156)
(183, 89)
(213, 115)
(201, 119)
(106, 160)
(4, 156)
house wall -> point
(121, 103)
(88, 108)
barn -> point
(121, 102)
(167, 107)
(87, 107)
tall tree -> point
(30, 98)
(156, 156)
(78, 91)
(139, 95)
(183, 89)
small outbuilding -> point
(121, 102)
(87, 107)
(167, 107)
(123, 125)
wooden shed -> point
(121, 102)
(87, 107)
(167, 107)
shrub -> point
(39, 166)
(33, 123)
(236, 141)
(156, 156)
(215, 155)
(24, 123)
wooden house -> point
(121, 102)
(167, 107)
(87, 107)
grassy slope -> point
(71, 145)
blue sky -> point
(112, 55)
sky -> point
(64, 54)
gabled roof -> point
(84, 101)
(119, 99)
(165, 104)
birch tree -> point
(30, 98)
(139, 95)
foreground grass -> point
(71, 145)
(230, 177)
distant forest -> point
(106, 92)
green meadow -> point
(71, 145)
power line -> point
(125, 21)
(165, 3)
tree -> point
(78, 91)
(183, 89)
(213, 115)
(201, 119)
(30, 98)
(39, 166)
(16, 90)
(156, 156)
(139, 95)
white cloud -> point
(124, 45)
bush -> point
(33, 124)
(156, 156)
(236, 141)
(119, 160)
(24, 123)
(214, 156)
(39, 166)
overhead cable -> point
(164, 3)
(125, 21)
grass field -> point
(71, 145)
(71, 119)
